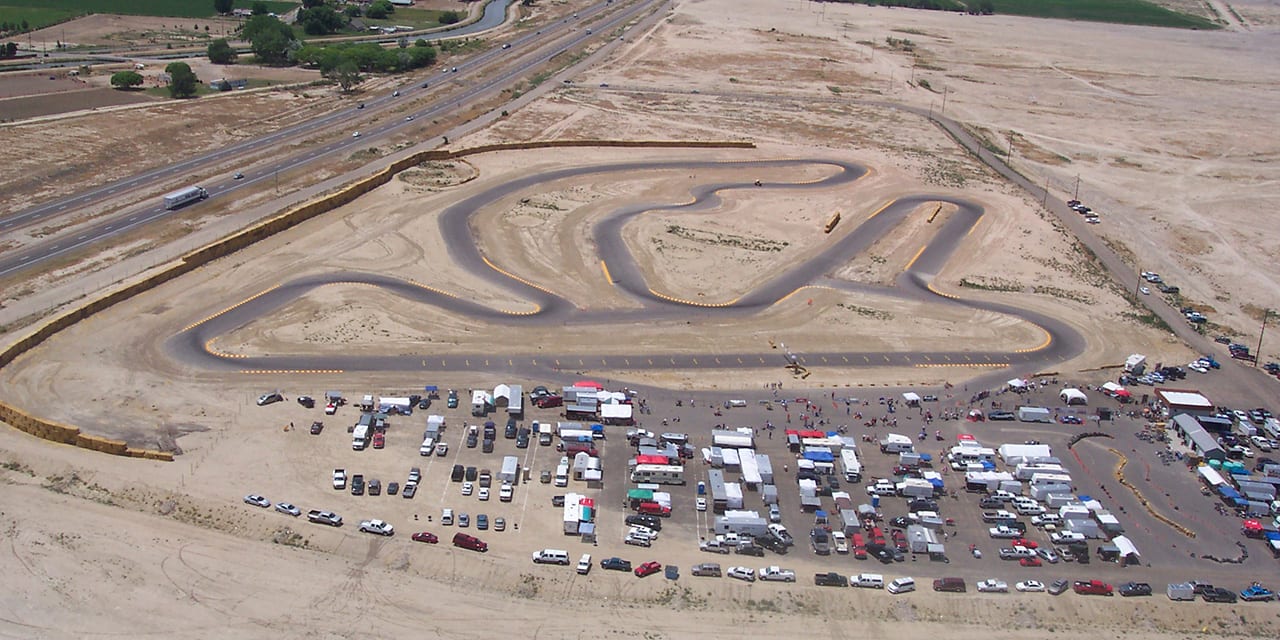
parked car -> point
(1029, 585)
(707, 570)
(1091, 587)
(615, 564)
(468, 488)
(1257, 593)
(991, 585)
(482, 522)
(464, 520)
(425, 536)
(647, 569)
(286, 508)
(316, 428)
(777, 574)
(1219, 595)
(1058, 587)
(269, 398)
(741, 573)
(377, 527)
(409, 491)
(257, 500)
(1129, 589)
(307, 401)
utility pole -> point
(1266, 313)
(913, 73)
(1045, 202)
(1008, 157)
(1076, 197)
(945, 90)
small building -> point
(1196, 438)
(1184, 401)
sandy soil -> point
(173, 543)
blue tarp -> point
(924, 457)
(937, 482)
(819, 456)
(988, 465)
(1228, 492)
(1272, 535)
(1238, 502)
(431, 388)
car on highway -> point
(1029, 586)
(408, 118)
(395, 94)
(257, 500)
(991, 585)
(506, 45)
(288, 509)
(425, 536)
(355, 135)
(647, 569)
(615, 564)
(238, 176)
(377, 527)
(741, 573)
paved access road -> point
(1061, 342)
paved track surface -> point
(1061, 341)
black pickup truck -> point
(831, 579)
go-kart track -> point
(1061, 342)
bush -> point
(451, 17)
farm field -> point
(169, 8)
(1117, 11)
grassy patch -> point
(1118, 11)
(416, 18)
(36, 17)
(992, 284)
(866, 311)
(166, 8)
(1147, 318)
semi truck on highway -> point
(183, 196)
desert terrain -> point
(1137, 114)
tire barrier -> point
(287, 219)
(1147, 505)
(1088, 434)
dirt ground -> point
(175, 537)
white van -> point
(901, 585)
(551, 556)
(867, 580)
(428, 446)
(584, 564)
(737, 404)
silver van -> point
(901, 585)
(551, 556)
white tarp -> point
(1017, 383)
(1211, 476)
(1073, 396)
(911, 397)
(615, 411)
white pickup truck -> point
(339, 479)
(777, 574)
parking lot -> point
(533, 522)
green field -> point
(37, 17)
(1119, 11)
(165, 8)
(416, 18)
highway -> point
(1061, 341)
(527, 54)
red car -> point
(1091, 588)
(425, 536)
(1023, 542)
(648, 569)
(859, 547)
(1030, 562)
(379, 440)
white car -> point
(355, 135)
(1145, 291)
(881, 488)
(701, 504)
(1198, 367)
(993, 586)
(777, 574)
(377, 527)
(285, 507)
(442, 449)
(505, 493)
(742, 573)
(1046, 519)
(467, 488)
(484, 493)
(446, 517)
(1261, 443)
(840, 541)
(257, 500)
(1066, 537)
(1029, 585)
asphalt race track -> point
(1061, 341)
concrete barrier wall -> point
(288, 219)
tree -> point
(380, 9)
(269, 38)
(223, 7)
(321, 21)
(221, 53)
(260, 8)
(126, 79)
(450, 17)
(182, 80)
(311, 4)
(352, 10)
(9, 50)
(346, 74)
